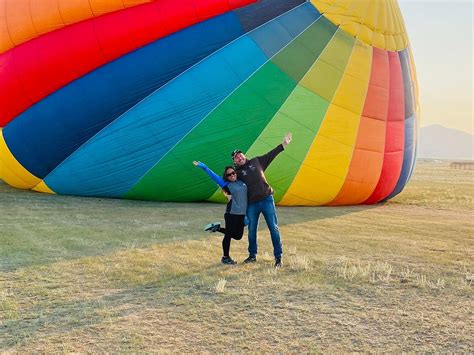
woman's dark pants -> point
(234, 229)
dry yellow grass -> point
(393, 277)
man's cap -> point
(234, 152)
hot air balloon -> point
(116, 98)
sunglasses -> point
(230, 174)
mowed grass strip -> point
(392, 277)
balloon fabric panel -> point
(80, 161)
(340, 47)
(23, 20)
(61, 123)
(243, 114)
(12, 171)
(410, 122)
(145, 133)
(251, 114)
(264, 11)
(107, 143)
(367, 158)
(394, 136)
(115, 98)
(49, 62)
(377, 23)
(336, 138)
(301, 114)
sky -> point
(441, 35)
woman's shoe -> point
(228, 260)
(212, 227)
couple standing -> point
(249, 194)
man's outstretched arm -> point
(266, 159)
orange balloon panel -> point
(23, 20)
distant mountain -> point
(445, 143)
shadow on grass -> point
(291, 215)
(38, 229)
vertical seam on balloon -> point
(136, 43)
(390, 13)
(7, 27)
(375, 23)
(93, 23)
(207, 115)
(399, 20)
(31, 18)
(168, 83)
(403, 28)
(363, 23)
(381, 29)
(92, 10)
(60, 14)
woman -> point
(236, 192)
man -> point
(260, 197)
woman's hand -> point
(227, 196)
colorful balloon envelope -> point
(116, 98)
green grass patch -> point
(99, 275)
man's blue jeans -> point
(267, 208)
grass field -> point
(100, 275)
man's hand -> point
(287, 139)
(195, 162)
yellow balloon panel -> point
(42, 187)
(330, 155)
(322, 183)
(378, 23)
(11, 171)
